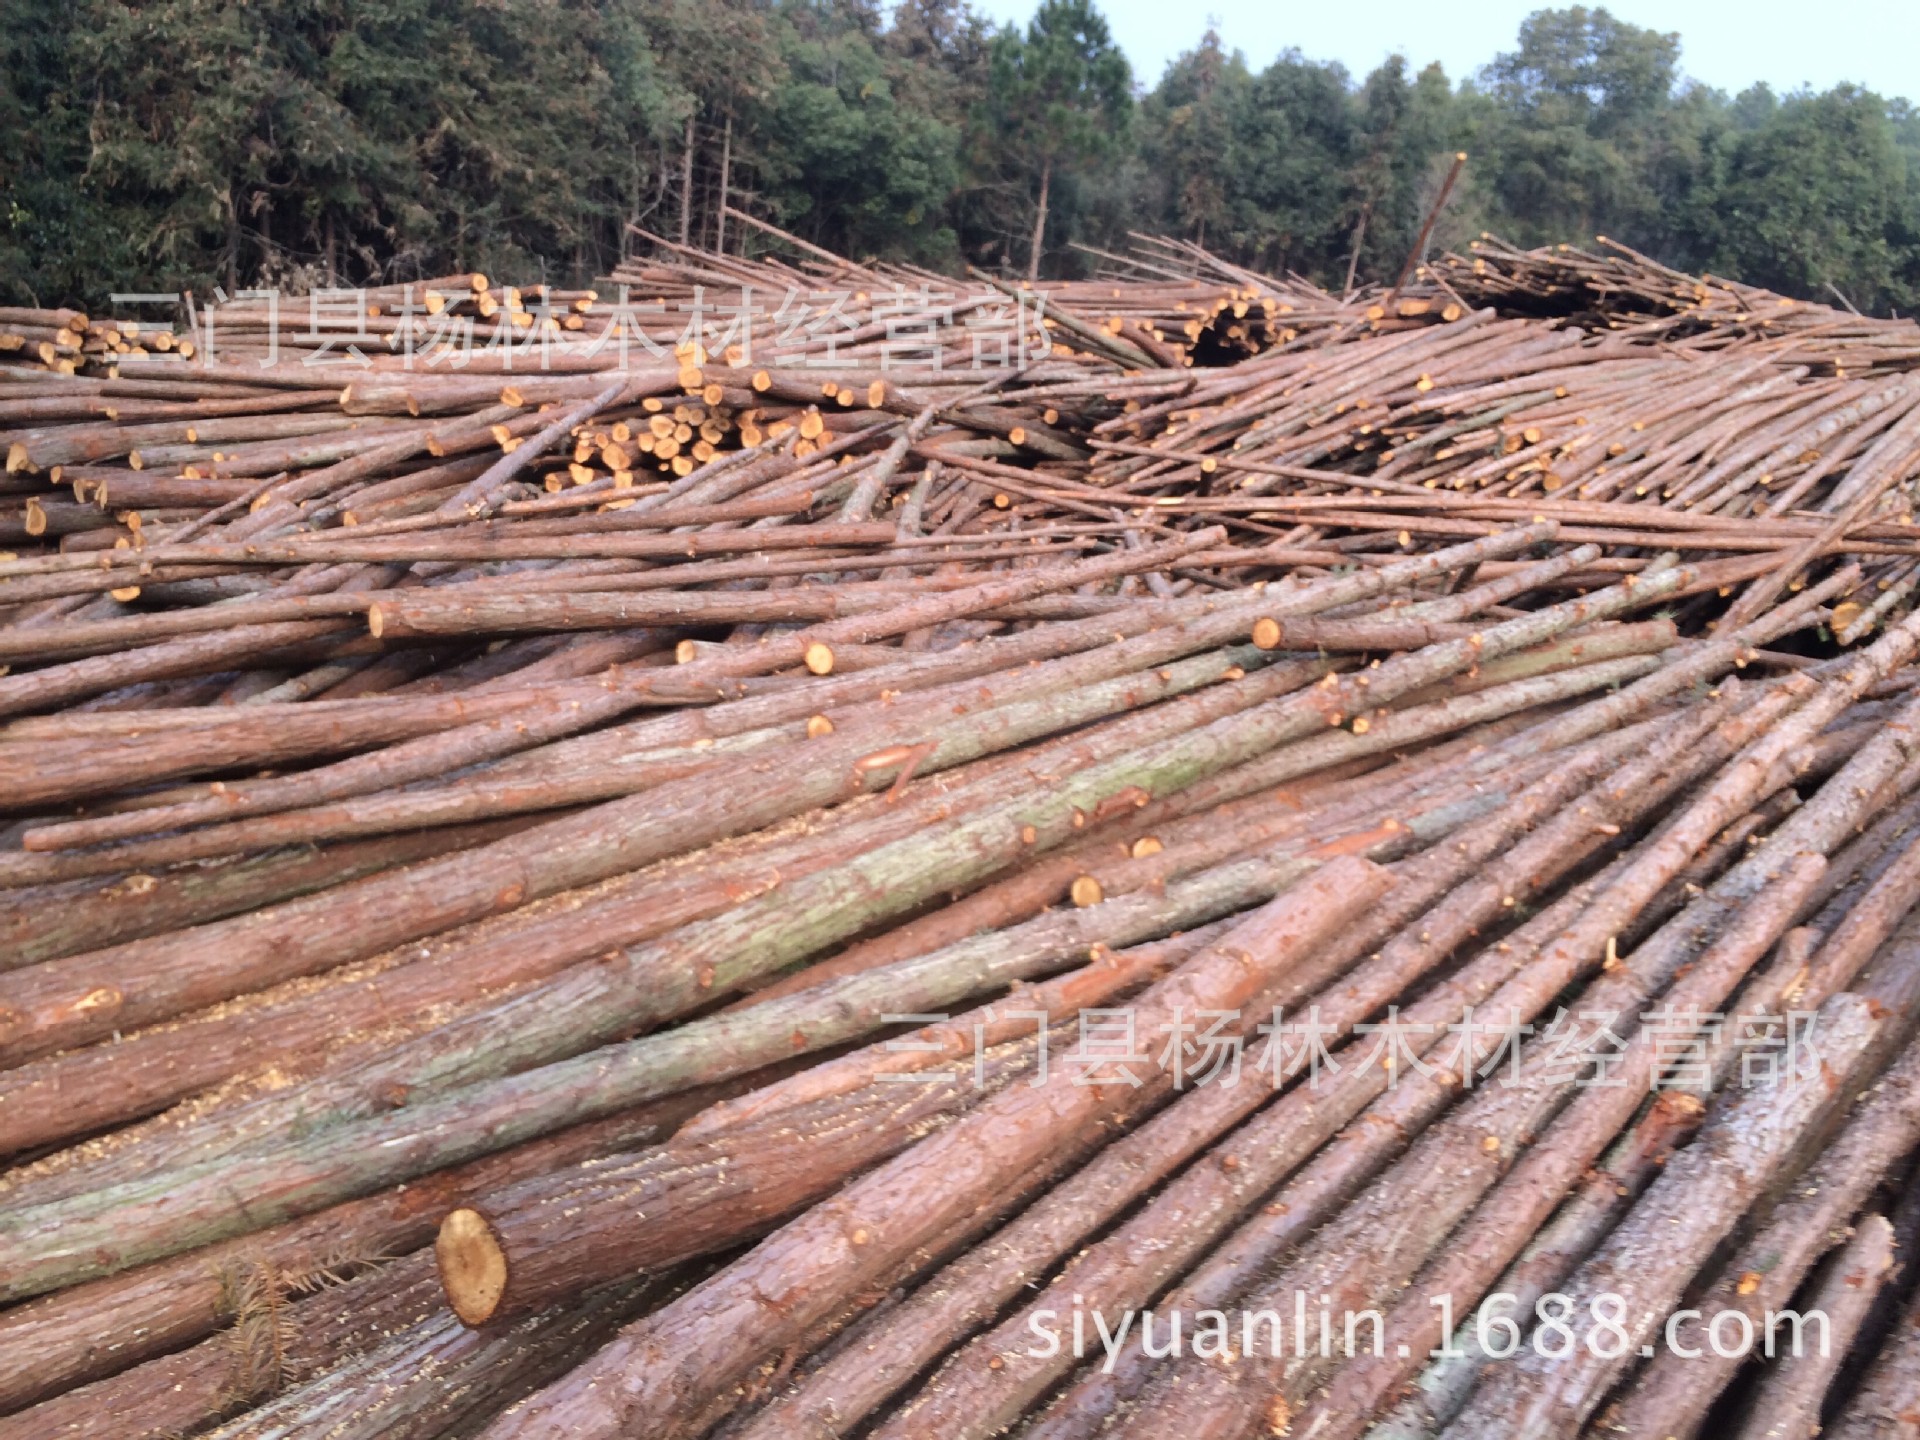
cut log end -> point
(473, 1267)
(819, 658)
(1266, 633)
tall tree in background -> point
(841, 159)
(1579, 105)
(1061, 95)
(161, 144)
(1191, 129)
(54, 239)
(1409, 128)
(1817, 199)
(718, 59)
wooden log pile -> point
(811, 849)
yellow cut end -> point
(473, 1267)
(1086, 891)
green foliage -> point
(1057, 98)
(1816, 197)
(1062, 93)
(58, 236)
(158, 144)
(841, 161)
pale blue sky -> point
(1726, 43)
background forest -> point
(155, 144)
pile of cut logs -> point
(812, 849)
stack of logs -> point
(779, 880)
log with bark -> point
(590, 806)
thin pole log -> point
(1787, 1405)
(1763, 1273)
(1426, 227)
(649, 1377)
(1884, 1405)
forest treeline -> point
(159, 144)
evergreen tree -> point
(162, 144)
(1058, 97)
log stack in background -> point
(532, 877)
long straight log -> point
(90, 1331)
(1526, 1195)
(167, 660)
(388, 1387)
(974, 1290)
(1340, 1266)
(68, 1094)
(40, 1001)
(109, 1007)
(1884, 1406)
(1123, 1271)
(718, 1191)
(759, 935)
(207, 1200)
(604, 766)
(46, 924)
(1651, 1257)
(177, 973)
(653, 1377)
(1787, 1405)
(630, 689)
(1590, 1213)
(562, 1017)
(1763, 1273)
(1597, 1205)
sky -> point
(1728, 44)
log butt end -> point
(473, 1267)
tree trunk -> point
(976, 1288)
(1038, 246)
(686, 186)
(726, 175)
(1353, 260)
(1887, 1402)
(1700, 1195)
(232, 261)
(1354, 1255)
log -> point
(1343, 1262)
(91, 1331)
(1787, 1405)
(827, 1253)
(1884, 1406)
(1651, 1256)
(1675, 1394)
